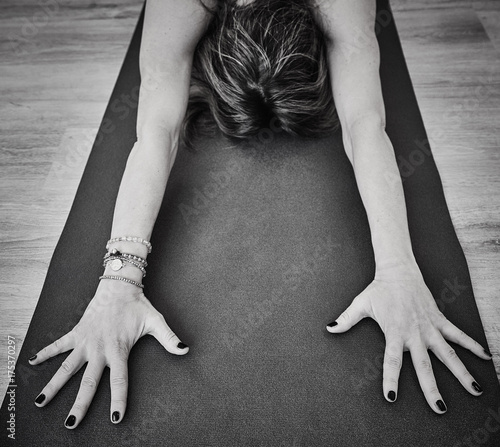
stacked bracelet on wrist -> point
(116, 259)
(115, 252)
(138, 240)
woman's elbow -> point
(366, 123)
(365, 134)
(156, 146)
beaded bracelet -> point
(139, 240)
(121, 278)
(115, 252)
(116, 263)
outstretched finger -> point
(68, 368)
(393, 360)
(449, 357)
(423, 368)
(454, 334)
(88, 387)
(63, 344)
(351, 316)
(160, 330)
(118, 379)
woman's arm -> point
(119, 313)
(171, 32)
(354, 70)
(398, 298)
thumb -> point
(352, 315)
(160, 330)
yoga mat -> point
(256, 248)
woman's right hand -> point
(116, 317)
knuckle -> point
(416, 325)
(80, 407)
(121, 349)
(462, 336)
(439, 319)
(393, 362)
(121, 354)
(99, 343)
(451, 354)
(119, 381)
(67, 367)
(413, 340)
(157, 318)
(426, 366)
(89, 382)
(433, 391)
(167, 334)
(390, 380)
(170, 335)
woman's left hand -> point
(400, 302)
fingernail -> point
(32, 358)
(332, 324)
(181, 345)
(70, 421)
(440, 404)
(476, 386)
(488, 353)
(115, 416)
(391, 395)
(40, 398)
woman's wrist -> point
(117, 287)
(127, 260)
(397, 267)
(393, 250)
(127, 271)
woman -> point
(252, 62)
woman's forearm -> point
(141, 192)
(373, 160)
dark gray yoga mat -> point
(256, 249)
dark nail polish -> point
(70, 421)
(332, 324)
(40, 398)
(32, 358)
(391, 395)
(488, 353)
(476, 386)
(115, 416)
(440, 404)
(181, 345)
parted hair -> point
(259, 61)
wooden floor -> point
(59, 64)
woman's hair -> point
(256, 62)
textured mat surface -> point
(255, 251)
